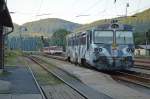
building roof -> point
(5, 18)
(143, 46)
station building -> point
(6, 27)
(142, 50)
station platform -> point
(18, 83)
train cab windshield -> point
(105, 37)
(124, 37)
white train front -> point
(106, 47)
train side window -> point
(83, 39)
(69, 42)
(78, 40)
(88, 42)
(90, 34)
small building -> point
(142, 50)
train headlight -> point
(114, 26)
(98, 49)
(130, 50)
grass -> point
(4, 73)
(43, 77)
(52, 66)
(11, 57)
(47, 79)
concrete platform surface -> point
(21, 80)
(19, 83)
(5, 86)
(20, 96)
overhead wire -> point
(39, 9)
(89, 8)
(82, 13)
(139, 9)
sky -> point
(78, 11)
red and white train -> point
(53, 50)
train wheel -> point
(68, 59)
(76, 61)
(83, 62)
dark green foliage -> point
(59, 38)
(139, 38)
(148, 36)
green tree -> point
(59, 38)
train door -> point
(89, 39)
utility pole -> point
(127, 5)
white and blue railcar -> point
(106, 47)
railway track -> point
(133, 77)
(137, 78)
(143, 64)
(75, 84)
(36, 82)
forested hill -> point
(140, 21)
(44, 27)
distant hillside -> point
(140, 21)
(44, 27)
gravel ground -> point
(101, 82)
(53, 87)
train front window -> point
(103, 37)
(124, 37)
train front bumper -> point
(114, 63)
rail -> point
(37, 84)
(78, 86)
(134, 77)
(129, 76)
(142, 63)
